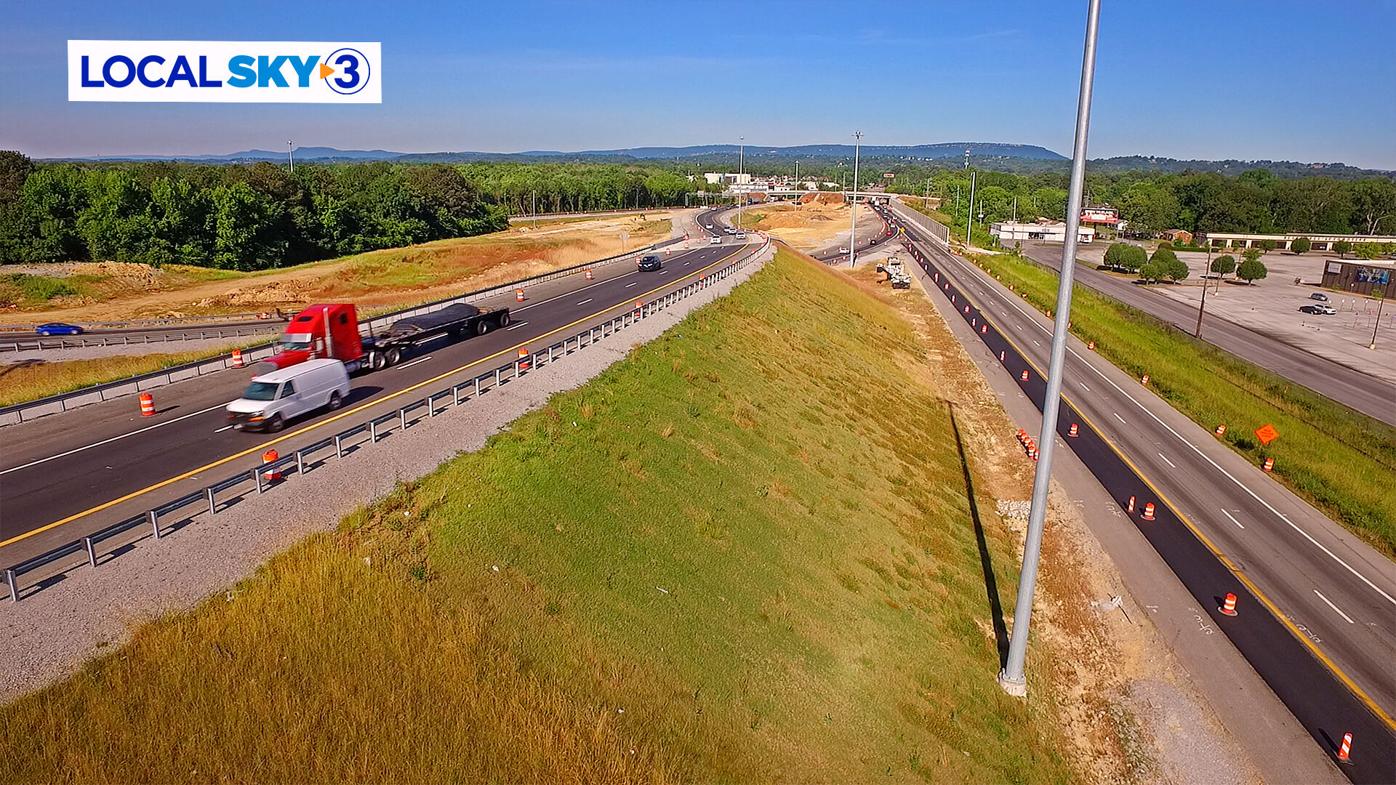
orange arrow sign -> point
(325, 70)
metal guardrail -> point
(158, 335)
(212, 498)
(53, 404)
(936, 229)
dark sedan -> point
(650, 263)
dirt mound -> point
(822, 198)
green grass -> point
(956, 223)
(31, 380)
(1336, 458)
(744, 553)
(24, 290)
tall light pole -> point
(1202, 306)
(741, 168)
(290, 156)
(967, 158)
(969, 210)
(853, 205)
(1380, 302)
(1012, 678)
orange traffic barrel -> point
(147, 404)
(271, 456)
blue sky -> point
(1218, 79)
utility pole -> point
(853, 205)
(966, 158)
(1013, 678)
(1015, 209)
(290, 154)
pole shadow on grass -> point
(986, 561)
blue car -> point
(58, 328)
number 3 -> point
(349, 66)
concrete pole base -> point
(1018, 688)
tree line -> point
(262, 215)
(1256, 201)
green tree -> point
(1151, 271)
(1342, 248)
(1164, 255)
(1224, 265)
(1374, 204)
(1300, 245)
(1367, 251)
(1266, 246)
(1251, 270)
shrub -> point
(1300, 245)
(1251, 270)
(1224, 264)
(1341, 248)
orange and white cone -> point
(1221, 430)
(147, 405)
(1073, 431)
(1148, 511)
(589, 274)
(518, 295)
(523, 359)
(1228, 606)
(1144, 379)
(1269, 465)
(1130, 506)
(1023, 376)
(237, 358)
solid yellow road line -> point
(1206, 541)
(342, 415)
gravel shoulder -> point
(50, 634)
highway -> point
(1368, 394)
(67, 475)
(1319, 620)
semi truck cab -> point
(329, 330)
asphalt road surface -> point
(1318, 619)
(70, 474)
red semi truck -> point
(331, 330)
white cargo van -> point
(274, 398)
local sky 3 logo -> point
(223, 71)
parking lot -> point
(1272, 305)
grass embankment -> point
(744, 553)
(1338, 459)
(28, 381)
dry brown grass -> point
(377, 279)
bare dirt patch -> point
(807, 226)
(112, 291)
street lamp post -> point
(290, 156)
(1380, 302)
(1013, 678)
(1202, 306)
(969, 210)
(853, 204)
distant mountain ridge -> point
(939, 151)
(992, 155)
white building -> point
(1319, 241)
(1010, 232)
(728, 178)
